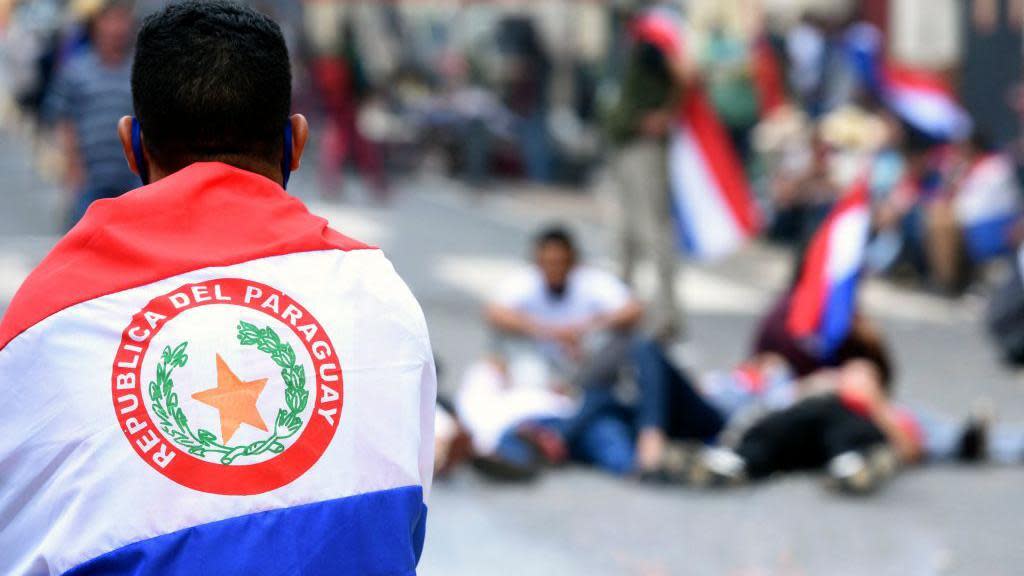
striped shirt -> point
(93, 97)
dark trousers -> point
(806, 436)
(668, 398)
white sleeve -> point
(606, 292)
(516, 293)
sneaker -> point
(716, 467)
(973, 445)
(860, 473)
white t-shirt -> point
(589, 292)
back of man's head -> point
(211, 82)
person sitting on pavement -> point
(511, 408)
(579, 324)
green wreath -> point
(174, 423)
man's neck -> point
(255, 166)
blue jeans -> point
(606, 441)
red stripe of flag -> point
(916, 79)
(768, 77)
(723, 162)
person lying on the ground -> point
(842, 420)
(452, 444)
(852, 431)
(511, 411)
(779, 373)
(580, 324)
(781, 369)
(782, 372)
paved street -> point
(453, 248)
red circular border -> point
(193, 472)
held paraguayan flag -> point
(203, 378)
(715, 211)
(711, 198)
(988, 207)
(919, 97)
(926, 102)
(825, 299)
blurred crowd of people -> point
(580, 369)
(575, 374)
(483, 89)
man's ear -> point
(124, 132)
(300, 134)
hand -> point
(570, 338)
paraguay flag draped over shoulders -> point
(711, 198)
(203, 378)
(825, 298)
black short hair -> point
(211, 81)
(866, 343)
(558, 235)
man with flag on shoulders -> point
(203, 377)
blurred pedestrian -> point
(90, 94)
(729, 64)
(638, 127)
(344, 85)
(525, 93)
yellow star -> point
(234, 399)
